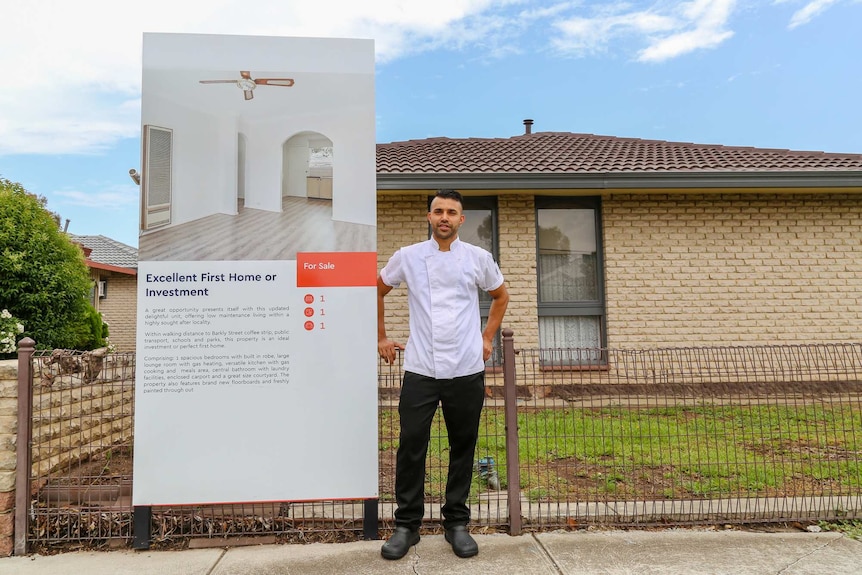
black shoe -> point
(462, 543)
(400, 543)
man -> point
(444, 362)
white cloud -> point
(530, 14)
(73, 69)
(591, 35)
(704, 26)
(670, 29)
(807, 13)
(72, 121)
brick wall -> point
(517, 236)
(74, 420)
(8, 439)
(732, 269)
(119, 309)
(401, 220)
(685, 270)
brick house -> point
(114, 270)
(634, 243)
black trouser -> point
(462, 399)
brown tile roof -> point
(568, 153)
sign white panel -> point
(237, 400)
(256, 375)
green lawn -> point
(672, 452)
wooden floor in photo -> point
(304, 225)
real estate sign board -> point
(256, 375)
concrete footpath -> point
(672, 551)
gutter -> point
(107, 267)
(848, 181)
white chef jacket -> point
(445, 329)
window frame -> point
(575, 308)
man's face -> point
(445, 218)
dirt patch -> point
(579, 481)
(809, 449)
(574, 480)
(499, 391)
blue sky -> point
(768, 73)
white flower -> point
(9, 328)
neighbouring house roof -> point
(109, 254)
(587, 160)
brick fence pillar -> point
(8, 431)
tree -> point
(485, 229)
(44, 280)
(553, 241)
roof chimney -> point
(528, 126)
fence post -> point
(510, 398)
(23, 443)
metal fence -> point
(568, 438)
(690, 435)
(82, 406)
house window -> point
(480, 229)
(571, 295)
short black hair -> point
(450, 194)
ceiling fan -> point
(247, 84)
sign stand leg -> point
(143, 520)
(370, 519)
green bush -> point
(95, 331)
(44, 281)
